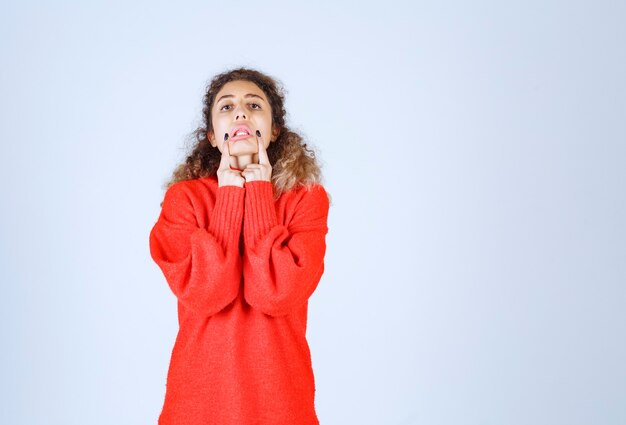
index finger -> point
(263, 158)
(225, 159)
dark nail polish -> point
(258, 133)
(225, 136)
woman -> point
(241, 241)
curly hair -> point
(293, 163)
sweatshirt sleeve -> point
(282, 265)
(203, 267)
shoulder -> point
(188, 192)
(192, 187)
(313, 193)
(305, 191)
(308, 202)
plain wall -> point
(475, 153)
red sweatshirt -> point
(242, 267)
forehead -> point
(240, 88)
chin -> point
(238, 149)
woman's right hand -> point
(225, 175)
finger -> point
(225, 160)
(247, 174)
(263, 158)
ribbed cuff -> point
(260, 211)
(225, 224)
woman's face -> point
(241, 106)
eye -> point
(253, 105)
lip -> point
(236, 129)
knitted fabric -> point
(242, 267)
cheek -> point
(220, 130)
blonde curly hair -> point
(293, 163)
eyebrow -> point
(248, 95)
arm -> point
(202, 266)
(282, 265)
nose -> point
(239, 113)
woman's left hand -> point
(262, 170)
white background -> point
(475, 153)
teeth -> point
(241, 133)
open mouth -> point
(239, 135)
(240, 131)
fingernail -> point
(225, 136)
(258, 133)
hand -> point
(225, 175)
(262, 170)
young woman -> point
(241, 241)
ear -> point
(210, 138)
(275, 134)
